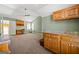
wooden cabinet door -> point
(65, 43)
(72, 13)
(74, 48)
(19, 23)
(65, 47)
(58, 15)
(68, 13)
(19, 31)
(46, 41)
(55, 43)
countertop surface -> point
(75, 37)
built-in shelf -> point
(19, 23)
(19, 31)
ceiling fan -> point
(26, 14)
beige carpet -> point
(27, 44)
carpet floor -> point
(27, 44)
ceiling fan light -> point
(25, 13)
(25, 9)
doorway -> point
(4, 28)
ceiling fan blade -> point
(26, 14)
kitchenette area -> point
(62, 34)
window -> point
(5, 27)
(28, 26)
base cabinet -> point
(52, 42)
(47, 43)
(74, 48)
(60, 44)
(46, 40)
(55, 43)
(19, 31)
(65, 47)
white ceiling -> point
(35, 10)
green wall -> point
(37, 24)
(49, 25)
(12, 27)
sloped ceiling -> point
(35, 10)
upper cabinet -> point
(68, 13)
(58, 15)
(19, 23)
(72, 12)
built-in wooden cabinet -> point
(68, 13)
(68, 46)
(63, 44)
(58, 15)
(72, 12)
(55, 43)
(46, 40)
(19, 23)
(21, 31)
(74, 48)
(65, 47)
(52, 42)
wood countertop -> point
(74, 38)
